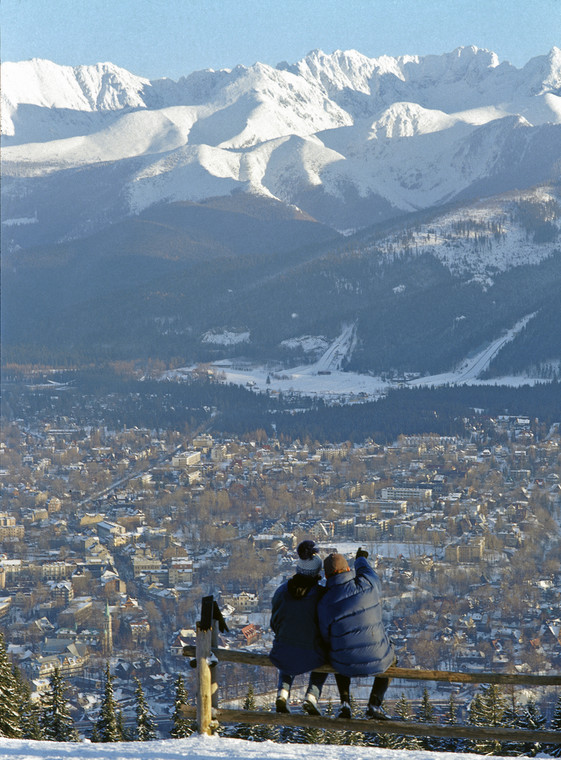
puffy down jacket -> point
(297, 647)
(350, 619)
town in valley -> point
(111, 536)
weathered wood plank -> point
(204, 685)
(379, 726)
(520, 679)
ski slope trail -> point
(472, 367)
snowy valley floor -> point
(207, 748)
(325, 378)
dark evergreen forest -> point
(105, 397)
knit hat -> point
(308, 562)
(335, 563)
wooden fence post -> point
(214, 669)
(204, 678)
(204, 689)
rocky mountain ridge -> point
(349, 140)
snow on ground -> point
(336, 387)
(20, 221)
(208, 748)
(308, 343)
(502, 243)
(325, 378)
(387, 549)
(226, 338)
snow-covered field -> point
(325, 378)
(207, 748)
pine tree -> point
(487, 709)
(126, 735)
(331, 737)
(494, 708)
(425, 714)
(28, 710)
(511, 719)
(450, 744)
(355, 738)
(511, 716)
(182, 727)
(532, 719)
(249, 701)
(312, 735)
(476, 719)
(494, 705)
(145, 726)
(392, 741)
(94, 736)
(107, 726)
(244, 730)
(251, 733)
(476, 711)
(55, 719)
(9, 713)
(555, 749)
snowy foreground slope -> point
(205, 748)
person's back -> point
(350, 619)
(298, 646)
(350, 615)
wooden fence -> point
(206, 654)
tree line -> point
(115, 401)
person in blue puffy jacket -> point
(350, 619)
(298, 646)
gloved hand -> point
(360, 552)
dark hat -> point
(306, 549)
(335, 563)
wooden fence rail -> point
(206, 654)
(413, 674)
(401, 728)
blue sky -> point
(156, 38)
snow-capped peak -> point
(543, 73)
(408, 119)
(42, 83)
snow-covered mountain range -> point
(203, 218)
(348, 139)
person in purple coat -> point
(298, 646)
(350, 619)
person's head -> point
(334, 564)
(309, 562)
